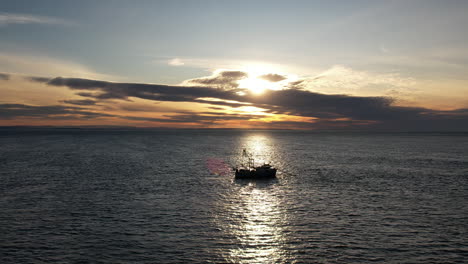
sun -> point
(254, 83)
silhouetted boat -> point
(250, 171)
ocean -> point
(169, 196)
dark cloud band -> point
(4, 76)
(370, 111)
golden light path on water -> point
(256, 210)
(260, 231)
(260, 146)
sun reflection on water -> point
(260, 146)
(260, 231)
(257, 219)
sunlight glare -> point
(252, 110)
(255, 84)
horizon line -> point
(110, 127)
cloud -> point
(237, 75)
(340, 79)
(9, 18)
(36, 79)
(332, 110)
(220, 79)
(310, 104)
(34, 66)
(383, 49)
(79, 102)
(233, 104)
(60, 112)
(271, 77)
(175, 62)
(324, 124)
(4, 76)
(12, 111)
(201, 118)
(158, 92)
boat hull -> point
(255, 174)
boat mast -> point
(250, 160)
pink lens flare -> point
(217, 166)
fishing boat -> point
(250, 171)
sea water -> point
(169, 196)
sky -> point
(319, 65)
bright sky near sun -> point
(265, 62)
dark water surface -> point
(148, 197)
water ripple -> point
(149, 198)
